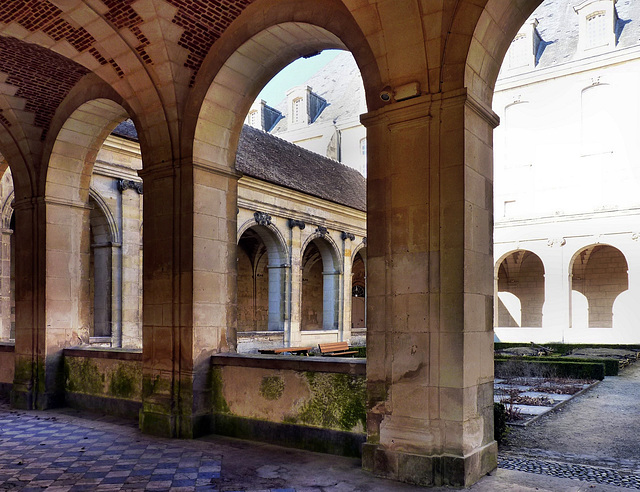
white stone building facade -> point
(566, 202)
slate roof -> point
(268, 158)
(558, 28)
(340, 83)
(263, 156)
(127, 130)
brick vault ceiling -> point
(43, 78)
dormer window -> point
(523, 51)
(253, 119)
(263, 116)
(518, 51)
(597, 23)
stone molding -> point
(296, 223)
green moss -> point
(337, 401)
(218, 402)
(83, 376)
(272, 387)
(125, 381)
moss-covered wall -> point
(102, 377)
(326, 400)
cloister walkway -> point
(64, 450)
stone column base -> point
(429, 471)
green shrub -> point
(529, 367)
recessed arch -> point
(599, 273)
(262, 277)
(520, 274)
(273, 239)
(321, 274)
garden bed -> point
(527, 398)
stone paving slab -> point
(62, 451)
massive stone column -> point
(52, 296)
(189, 291)
(430, 282)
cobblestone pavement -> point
(591, 474)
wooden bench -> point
(291, 350)
(336, 349)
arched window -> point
(296, 110)
(596, 30)
(598, 119)
(518, 135)
(253, 118)
(363, 146)
(519, 52)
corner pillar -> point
(189, 279)
(430, 289)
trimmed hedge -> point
(565, 348)
(519, 367)
(611, 366)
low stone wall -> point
(104, 380)
(304, 402)
(7, 367)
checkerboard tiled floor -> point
(65, 454)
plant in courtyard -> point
(500, 429)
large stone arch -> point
(56, 302)
(252, 51)
(485, 44)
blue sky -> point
(294, 74)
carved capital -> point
(262, 218)
(127, 184)
(556, 242)
(296, 223)
(347, 235)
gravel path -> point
(600, 427)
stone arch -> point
(103, 234)
(273, 238)
(7, 259)
(521, 274)
(485, 43)
(320, 304)
(249, 55)
(262, 278)
(70, 155)
(600, 273)
(7, 210)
